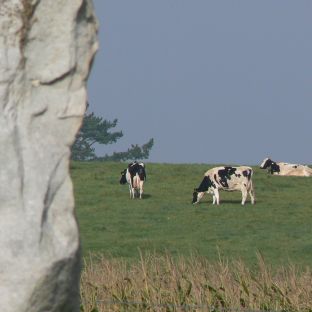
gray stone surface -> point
(46, 51)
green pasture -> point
(279, 225)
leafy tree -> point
(97, 130)
(134, 153)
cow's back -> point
(287, 169)
(230, 178)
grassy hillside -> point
(278, 226)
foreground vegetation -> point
(165, 284)
(162, 253)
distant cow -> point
(228, 179)
(135, 176)
(285, 169)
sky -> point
(212, 81)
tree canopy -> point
(135, 152)
(96, 129)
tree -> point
(134, 153)
(97, 130)
(94, 130)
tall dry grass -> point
(164, 283)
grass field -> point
(165, 221)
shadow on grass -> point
(233, 201)
(227, 201)
(146, 196)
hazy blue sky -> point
(211, 81)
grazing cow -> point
(228, 179)
(135, 176)
(286, 169)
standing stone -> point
(46, 51)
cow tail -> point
(250, 184)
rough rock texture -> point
(46, 51)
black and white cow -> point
(228, 179)
(285, 169)
(135, 176)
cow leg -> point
(244, 195)
(216, 195)
(133, 192)
(130, 191)
(213, 199)
(141, 189)
(135, 187)
(251, 193)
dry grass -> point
(164, 283)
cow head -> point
(199, 192)
(197, 196)
(267, 162)
(271, 165)
(123, 179)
